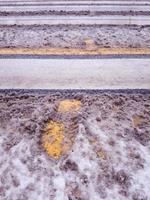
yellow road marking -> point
(65, 51)
(69, 105)
(53, 138)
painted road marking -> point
(58, 136)
(64, 51)
(69, 105)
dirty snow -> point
(74, 36)
(109, 158)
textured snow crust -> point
(70, 36)
(109, 158)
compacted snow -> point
(74, 36)
(109, 157)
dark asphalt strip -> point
(115, 56)
(73, 91)
(73, 4)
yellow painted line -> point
(69, 105)
(53, 138)
(65, 51)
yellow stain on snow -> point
(90, 44)
(137, 120)
(69, 105)
(101, 154)
(90, 50)
(53, 138)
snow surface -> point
(107, 160)
(74, 36)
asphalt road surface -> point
(76, 73)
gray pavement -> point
(75, 20)
(75, 73)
